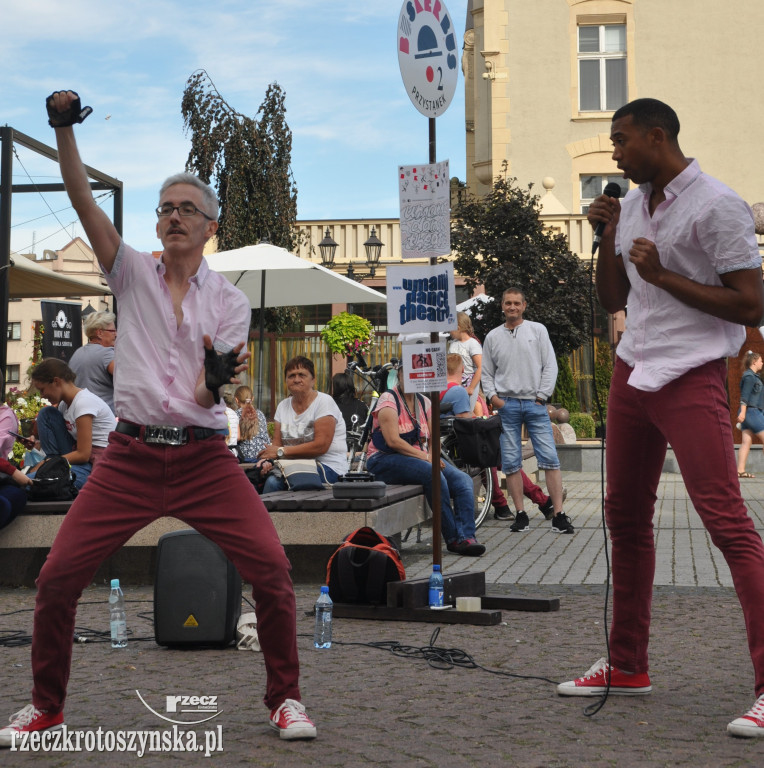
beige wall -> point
(700, 56)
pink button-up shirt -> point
(701, 230)
(157, 363)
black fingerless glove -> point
(218, 370)
(75, 114)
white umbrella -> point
(272, 277)
(474, 303)
(28, 280)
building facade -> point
(543, 78)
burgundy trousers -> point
(692, 415)
(133, 484)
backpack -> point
(53, 481)
(359, 570)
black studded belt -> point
(164, 435)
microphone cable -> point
(593, 708)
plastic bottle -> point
(118, 616)
(436, 587)
(322, 635)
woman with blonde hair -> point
(750, 417)
(465, 344)
(253, 427)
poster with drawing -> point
(424, 367)
(424, 192)
(421, 298)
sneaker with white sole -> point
(27, 720)
(561, 524)
(594, 682)
(751, 724)
(291, 721)
(522, 523)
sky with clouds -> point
(336, 60)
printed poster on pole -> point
(421, 298)
(424, 193)
(424, 367)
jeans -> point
(12, 502)
(691, 414)
(275, 483)
(55, 440)
(133, 484)
(394, 468)
(513, 415)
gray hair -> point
(97, 321)
(210, 198)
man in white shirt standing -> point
(519, 374)
(681, 251)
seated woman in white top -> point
(77, 424)
(308, 425)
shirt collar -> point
(679, 183)
(198, 278)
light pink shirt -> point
(157, 363)
(702, 230)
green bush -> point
(565, 391)
(603, 372)
(583, 424)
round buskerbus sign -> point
(427, 55)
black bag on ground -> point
(359, 570)
(478, 441)
(53, 481)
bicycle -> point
(358, 439)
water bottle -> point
(118, 616)
(436, 587)
(322, 635)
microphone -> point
(611, 190)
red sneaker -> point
(594, 682)
(751, 723)
(291, 721)
(29, 719)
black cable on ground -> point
(437, 657)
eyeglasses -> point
(184, 209)
(109, 330)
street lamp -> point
(373, 248)
(328, 248)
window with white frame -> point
(12, 374)
(14, 331)
(592, 186)
(602, 83)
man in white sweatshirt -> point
(519, 374)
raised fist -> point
(64, 109)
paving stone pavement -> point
(373, 707)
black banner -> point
(62, 329)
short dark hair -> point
(300, 362)
(651, 113)
(51, 368)
(512, 290)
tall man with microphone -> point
(681, 251)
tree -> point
(501, 243)
(248, 161)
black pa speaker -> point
(197, 592)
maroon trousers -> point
(133, 484)
(690, 414)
